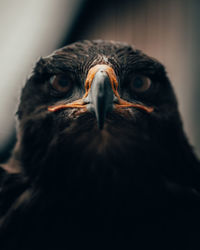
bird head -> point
(99, 107)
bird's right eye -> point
(61, 83)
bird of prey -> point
(101, 156)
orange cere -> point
(80, 103)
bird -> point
(101, 155)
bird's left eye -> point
(60, 83)
(140, 84)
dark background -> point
(167, 30)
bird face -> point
(96, 104)
(100, 150)
(101, 93)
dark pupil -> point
(62, 82)
(138, 83)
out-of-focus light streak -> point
(28, 30)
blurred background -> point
(167, 30)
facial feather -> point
(76, 171)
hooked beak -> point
(100, 97)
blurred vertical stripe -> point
(29, 29)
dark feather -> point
(136, 181)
